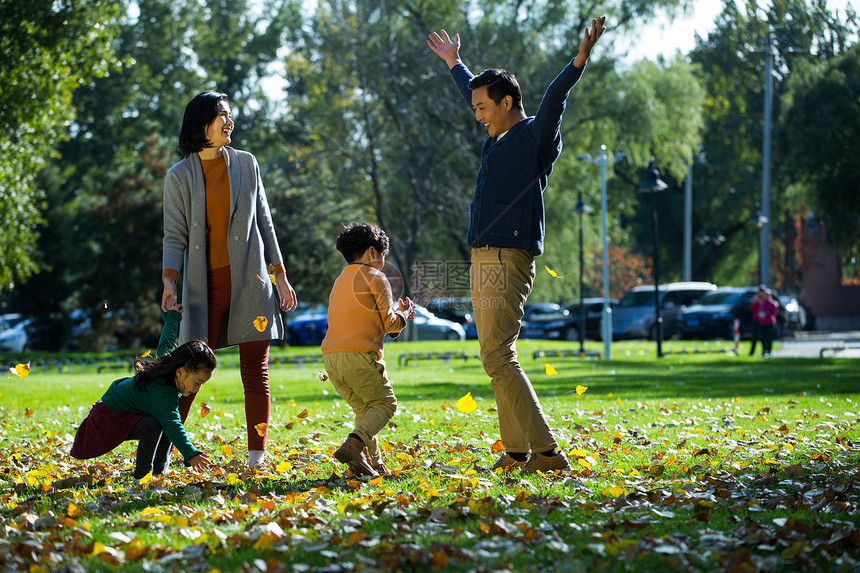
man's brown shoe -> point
(507, 463)
(546, 464)
(352, 453)
(380, 468)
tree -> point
(380, 117)
(107, 183)
(817, 99)
(47, 50)
(727, 185)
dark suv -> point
(714, 314)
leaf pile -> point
(732, 485)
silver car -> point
(13, 333)
(635, 314)
(427, 326)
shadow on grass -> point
(636, 380)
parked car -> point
(307, 328)
(635, 316)
(531, 311)
(427, 326)
(713, 316)
(457, 309)
(793, 312)
(13, 332)
(564, 324)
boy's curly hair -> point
(355, 238)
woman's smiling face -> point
(219, 131)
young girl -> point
(145, 407)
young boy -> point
(360, 313)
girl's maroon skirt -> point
(102, 431)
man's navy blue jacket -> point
(507, 207)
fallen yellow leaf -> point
(467, 404)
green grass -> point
(690, 462)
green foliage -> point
(818, 101)
(727, 184)
(372, 127)
(103, 237)
(47, 50)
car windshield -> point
(637, 298)
(715, 298)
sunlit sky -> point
(663, 38)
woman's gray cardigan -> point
(251, 242)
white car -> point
(13, 333)
(427, 326)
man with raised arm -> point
(506, 233)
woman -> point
(218, 232)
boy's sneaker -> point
(546, 464)
(507, 463)
(352, 453)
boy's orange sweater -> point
(360, 311)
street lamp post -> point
(581, 209)
(652, 184)
(606, 323)
(760, 221)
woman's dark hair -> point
(355, 238)
(194, 355)
(199, 113)
(500, 83)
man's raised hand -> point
(591, 36)
(445, 47)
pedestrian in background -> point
(765, 310)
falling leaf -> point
(554, 274)
(21, 370)
(467, 404)
(261, 279)
(580, 390)
(28, 412)
(260, 323)
(261, 429)
(146, 354)
(322, 375)
(204, 409)
(550, 370)
(302, 414)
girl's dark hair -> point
(199, 113)
(194, 355)
(355, 238)
(500, 83)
